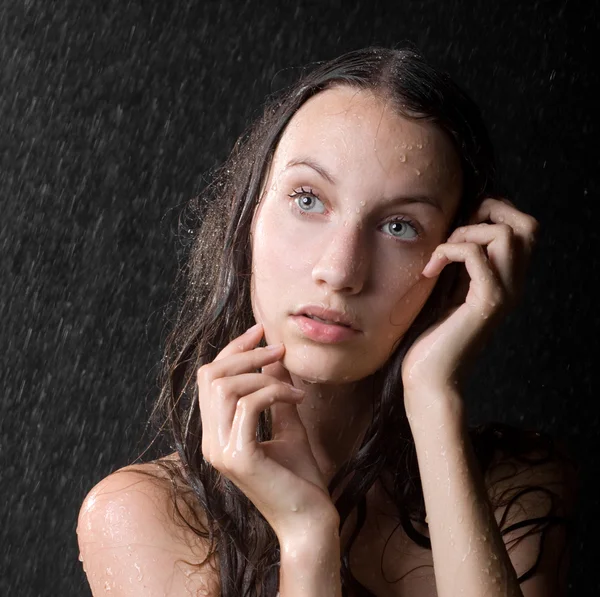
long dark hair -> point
(215, 307)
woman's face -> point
(356, 200)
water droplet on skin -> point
(402, 158)
(460, 519)
(234, 454)
(80, 558)
(417, 172)
(107, 586)
(363, 203)
(358, 210)
(419, 145)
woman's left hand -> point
(496, 256)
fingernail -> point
(253, 328)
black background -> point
(112, 114)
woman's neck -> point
(336, 418)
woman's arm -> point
(310, 562)
(469, 554)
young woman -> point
(357, 225)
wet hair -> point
(215, 307)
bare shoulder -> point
(534, 497)
(541, 472)
(133, 542)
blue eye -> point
(403, 223)
(304, 199)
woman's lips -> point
(328, 333)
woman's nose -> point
(344, 261)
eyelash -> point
(303, 192)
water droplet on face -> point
(139, 577)
(363, 203)
(358, 210)
(402, 158)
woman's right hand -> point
(280, 476)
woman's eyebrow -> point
(304, 161)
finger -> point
(245, 421)
(278, 371)
(249, 339)
(499, 244)
(485, 290)
(229, 362)
(223, 366)
(525, 227)
(244, 362)
(225, 392)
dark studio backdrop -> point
(112, 114)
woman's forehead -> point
(346, 127)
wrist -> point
(307, 533)
(310, 564)
(443, 403)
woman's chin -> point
(315, 372)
